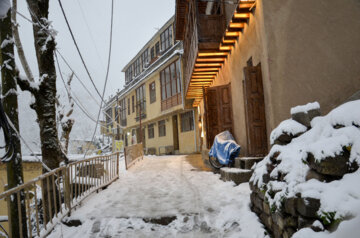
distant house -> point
(151, 108)
(81, 146)
(246, 63)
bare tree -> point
(64, 114)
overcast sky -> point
(135, 22)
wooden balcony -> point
(171, 102)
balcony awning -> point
(209, 62)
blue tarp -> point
(224, 148)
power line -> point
(91, 35)
(77, 48)
(107, 72)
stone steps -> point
(241, 172)
(236, 175)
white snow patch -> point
(289, 126)
(305, 108)
(203, 205)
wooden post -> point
(67, 190)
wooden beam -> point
(206, 69)
(232, 33)
(238, 15)
(207, 65)
(204, 73)
(210, 59)
(207, 54)
(237, 25)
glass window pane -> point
(167, 76)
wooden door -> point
(175, 132)
(255, 111)
(218, 111)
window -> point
(144, 59)
(116, 110)
(123, 112)
(151, 131)
(152, 53)
(166, 38)
(140, 101)
(152, 92)
(137, 67)
(128, 74)
(128, 106)
(162, 128)
(170, 80)
(133, 103)
(157, 48)
(187, 121)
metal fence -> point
(65, 188)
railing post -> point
(67, 189)
(8, 200)
(117, 163)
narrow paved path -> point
(166, 197)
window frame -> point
(151, 131)
(166, 38)
(152, 92)
(187, 121)
(162, 125)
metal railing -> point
(52, 196)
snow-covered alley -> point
(166, 197)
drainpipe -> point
(193, 111)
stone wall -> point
(298, 211)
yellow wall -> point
(31, 170)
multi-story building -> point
(151, 107)
(246, 63)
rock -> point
(266, 208)
(204, 227)
(313, 113)
(304, 222)
(276, 231)
(256, 201)
(71, 222)
(333, 166)
(308, 207)
(256, 210)
(312, 174)
(266, 220)
(96, 227)
(302, 118)
(283, 139)
(266, 178)
(278, 218)
(288, 232)
(317, 226)
(290, 206)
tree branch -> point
(18, 44)
(26, 85)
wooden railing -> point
(52, 196)
(133, 154)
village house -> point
(246, 63)
(151, 108)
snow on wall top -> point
(4, 8)
(322, 140)
(289, 126)
(305, 108)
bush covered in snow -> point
(312, 180)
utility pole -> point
(9, 94)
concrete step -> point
(246, 162)
(236, 175)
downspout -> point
(195, 125)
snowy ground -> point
(166, 189)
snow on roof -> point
(305, 108)
(322, 140)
